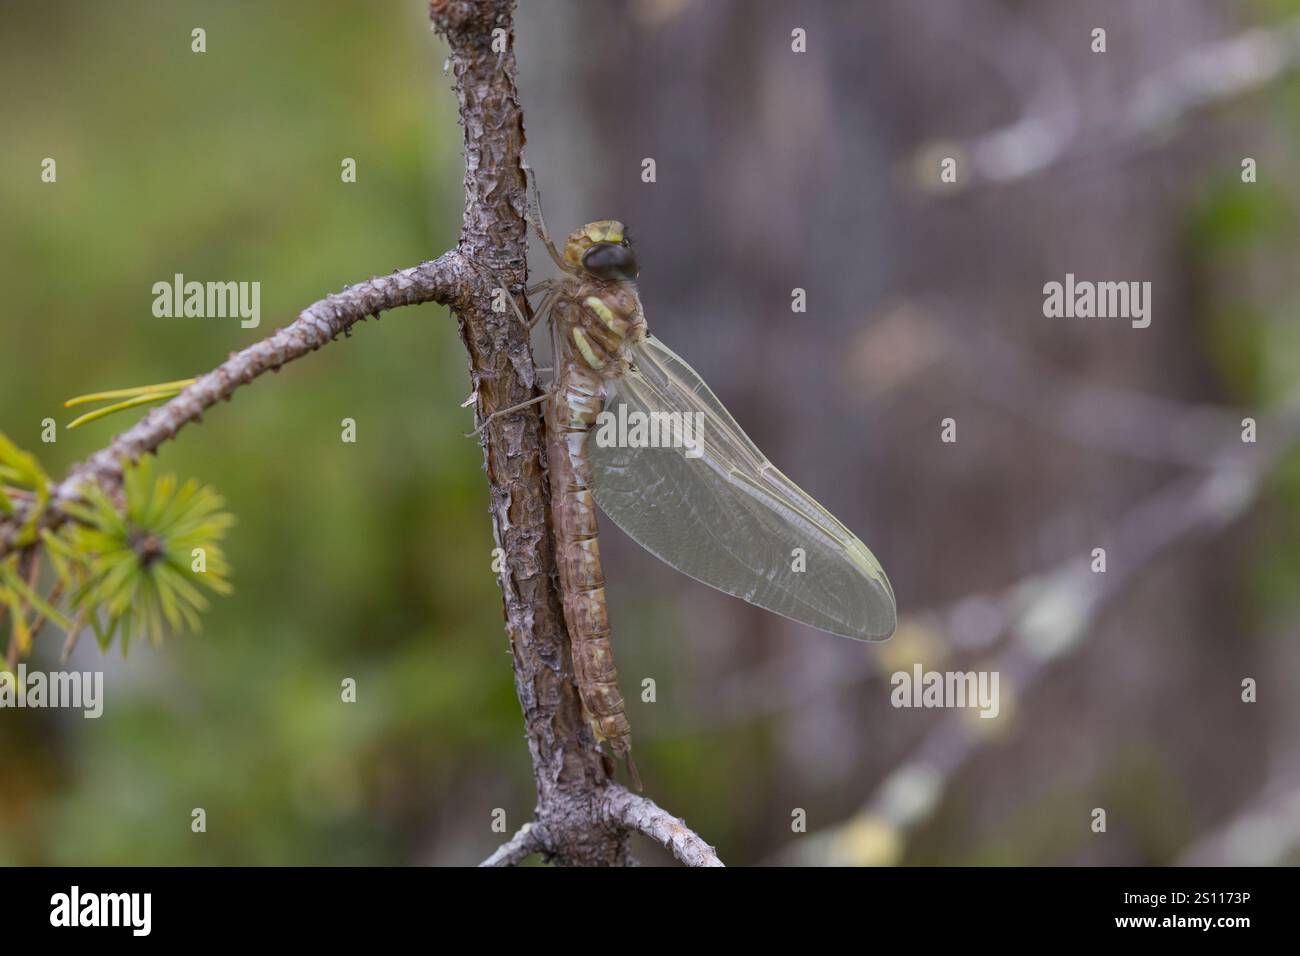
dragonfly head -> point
(601, 249)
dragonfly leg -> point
(632, 772)
(543, 308)
(506, 411)
(511, 296)
(540, 311)
(536, 218)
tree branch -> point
(517, 849)
(581, 818)
(1262, 833)
(444, 280)
(623, 808)
(1046, 617)
(567, 766)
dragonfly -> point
(683, 479)
(633, 430)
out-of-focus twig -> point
(1203, 77)
(1262, 834)
(930, 331)
(1046, 617)
(1115, 420)
(1048, 121)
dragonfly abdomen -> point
(570, 415)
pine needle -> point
(139, 390)
(120, 406)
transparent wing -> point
(728, 518)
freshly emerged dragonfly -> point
(710, 504)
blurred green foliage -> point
(1243, 244)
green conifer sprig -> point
(21, 476)
(145, 566)
(132, 571)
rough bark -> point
(573, 825)
(567, 767)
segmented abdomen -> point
(570, 414)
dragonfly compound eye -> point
(610, 261)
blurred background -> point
(774, 170)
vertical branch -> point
(566, 764)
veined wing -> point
(728, 518)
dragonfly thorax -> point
(598, 321)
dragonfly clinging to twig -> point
(632, 428)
